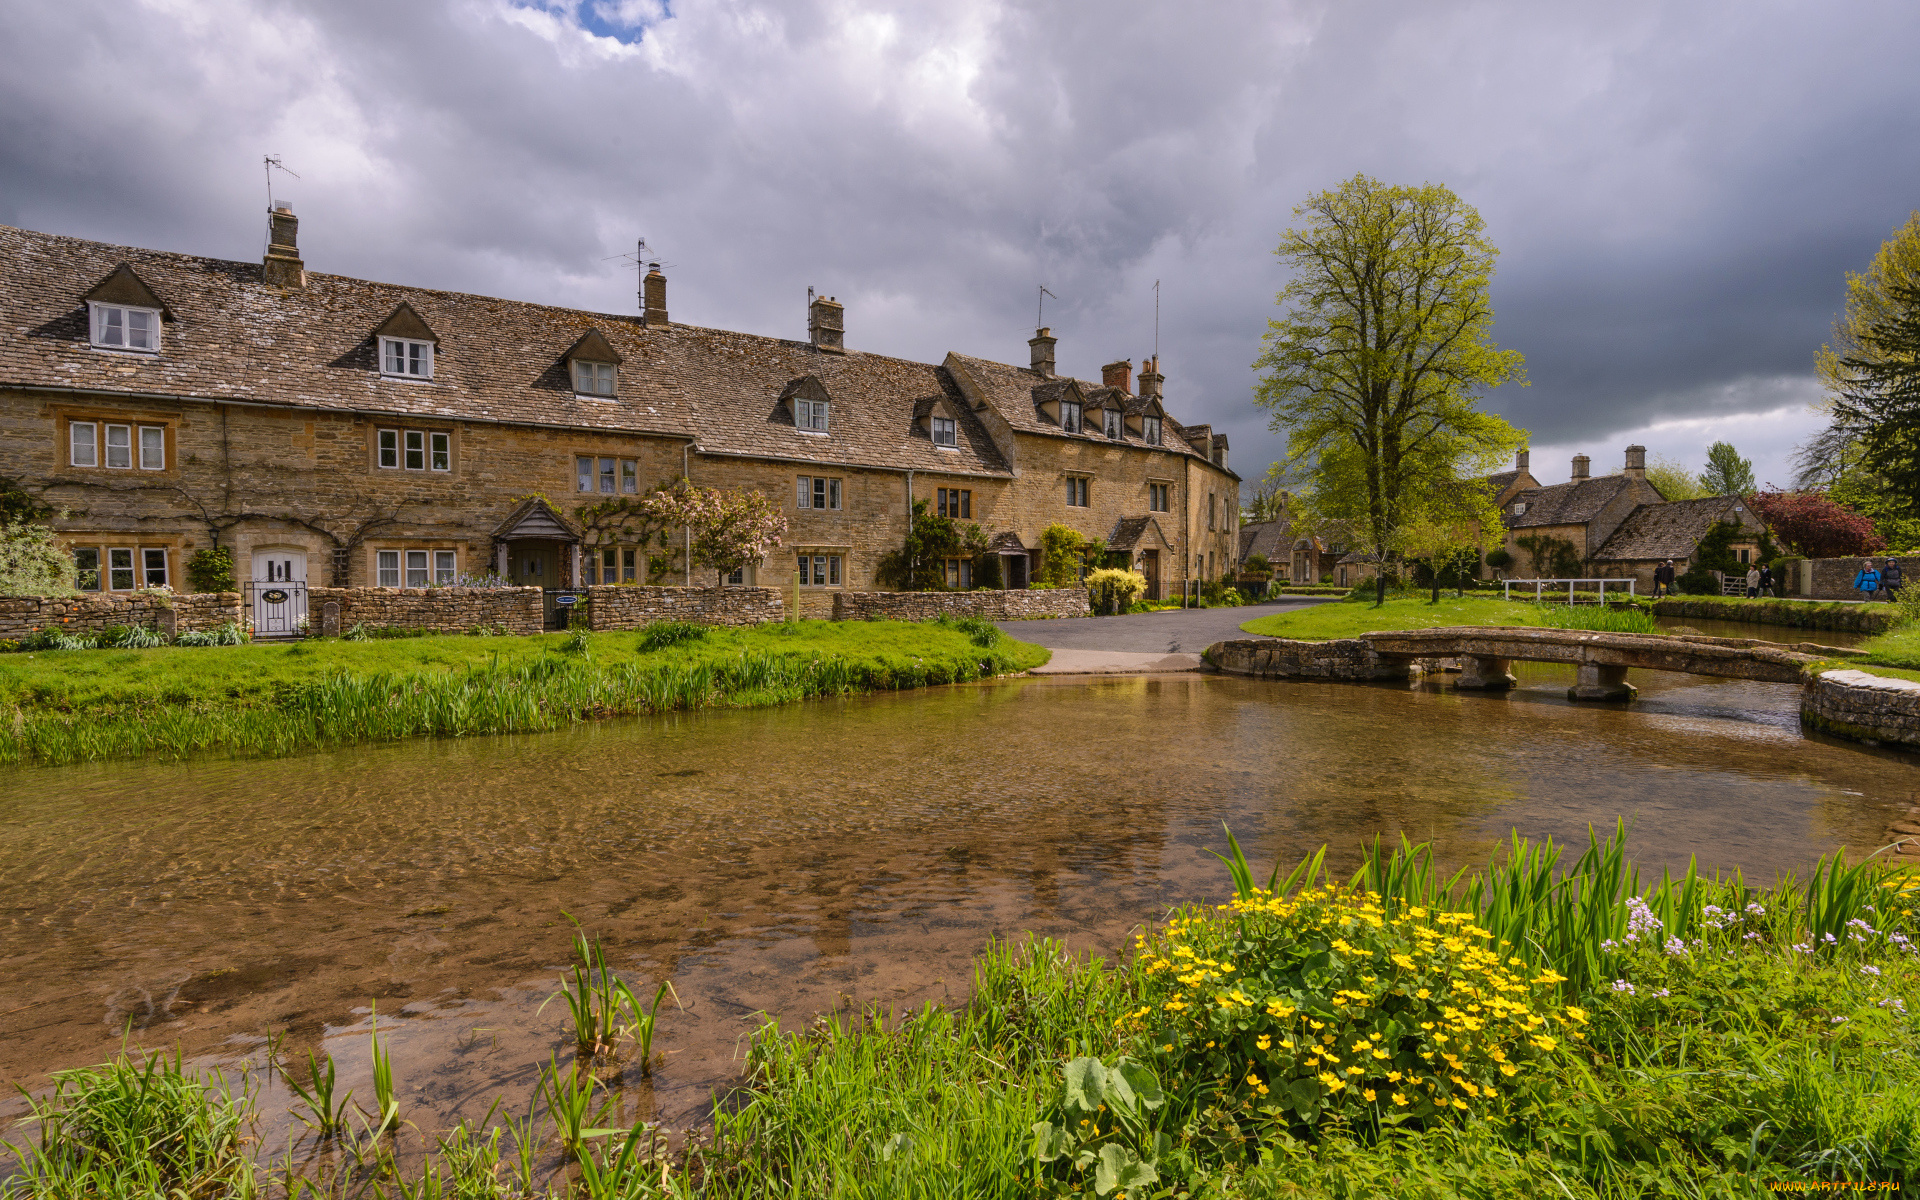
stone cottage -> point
(338, 431)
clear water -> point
(792, 860)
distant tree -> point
(1444, 551)
(1374, 368)
(1727, 474)
(1812, 524)
(1268, 501)
(1881, 406)
(1674, 481)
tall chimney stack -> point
(1520, 460)
(654, 288)
(1118, 375)
(1580, 462)
(1636, 462)
(827, 325)
(1151, 378)
(1040, 348)
(282, 266)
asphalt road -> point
(1179, 631)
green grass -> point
(1680, 1037)
(82, 705)
(1353, 617)
(1768, 610)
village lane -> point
(1157, 641)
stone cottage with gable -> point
(350, 433)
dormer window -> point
(1070, 416)
(1113, 423)
(810, 415)
(806, 397)
(1150, 430)
(945, 432)
(117, 327)
(406, 358)
(593, 378)
(1519, 508)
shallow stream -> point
(790, 860)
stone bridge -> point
(1485, 653)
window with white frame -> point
(810, 415)
(593, 378)
(1113, 422)
(1150, 430)
(1077, 492)
(86, 568)
(1070, 416)
(119, 447)
(82, 437)
(117, 327)
(414, 449)
(153, 448)
(608, 476)
(153, 567)
(817, 491)
(446, 568)
(386, 568)
(405, 358)
(944, 432)
(1157, 494)
(819, 570)
(120, 574)
(611, 564)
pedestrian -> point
(1753, 581)
(1663, 579)
(1892, 580)
(1766, 579)
(1868, 580)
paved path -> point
(1140, 642)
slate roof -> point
(1130, 533)
(1271, 538)
(1572, 503)
(1012, 392)
(232, 336)
(1671, 530)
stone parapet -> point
(1281, 658)
(333, 611)
(622, 606)
(1864, 708)
(22, 615)
(992, 605)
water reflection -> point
(789, 860)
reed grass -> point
(324, 1115)
(488, 697)
(386, 1116)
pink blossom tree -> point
(730, 528)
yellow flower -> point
(1355, 1071)
(1545, 1042)
(1380, 1054)
(1368, 1093)
(1399, 1099)
(1265, 1042)
(1329, 1078)
(1316, 1024)
(1509, 1070)
(1393, 1077)
(1578, 1014)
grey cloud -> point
(1677, 189)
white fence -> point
(1542, 586)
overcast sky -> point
(1677, 189)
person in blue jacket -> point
(1868, 580)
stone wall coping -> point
(1878, 683)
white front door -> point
(279, 590)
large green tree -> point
(1375, 367)
(1727, 474)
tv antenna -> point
(1040, 306)
(271, 163)
(640, 260)
(1156, 324)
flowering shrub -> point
(1294, 1010)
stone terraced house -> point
(357, 434)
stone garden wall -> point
(623, 606)
(22, 615)
(994, 606)
(1281, 658)
(1832, 578)
(333, 611)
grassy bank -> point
(1535, 1028)
(78, 705)
(1356, 615)
(1794, 614)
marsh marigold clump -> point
(1326, 1004)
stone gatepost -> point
(330, 619)
(1480, 672)
(166, 621)
(1601, 681)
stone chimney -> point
(827, 325)
(1118, 375)
(1151, 378)
(654, 291)
(1520, 460)
(282, 266)
(1636, 462)
(1580, 462)
(1040, 348)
